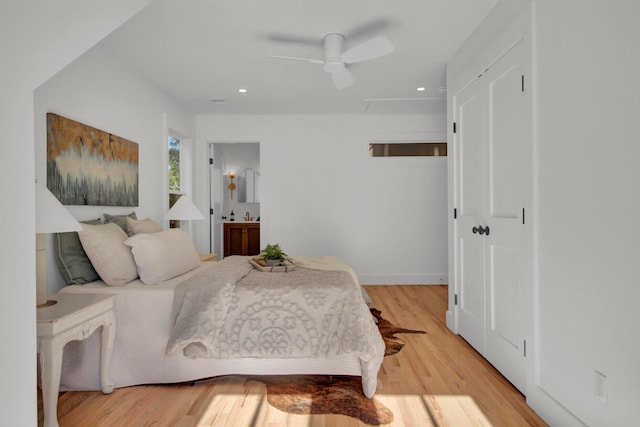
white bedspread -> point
(232, 311)
(144, 322)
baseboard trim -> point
(403, 279)
(551, 410)
(451, 324)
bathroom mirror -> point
(248, 186)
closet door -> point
(470, 248)
(507, 136)
(492, 139)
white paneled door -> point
(215, 203)
(470, 247)
(492, 141)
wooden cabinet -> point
(241, 238)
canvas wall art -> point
(88, 166)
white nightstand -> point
(74, 317)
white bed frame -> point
(143, 324)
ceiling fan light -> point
(333, 66)
(342, 79)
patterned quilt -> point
(231, 311)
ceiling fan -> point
(336, 61)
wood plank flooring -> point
(437, 379)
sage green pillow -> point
(73, 263)
(121, 220)
(147, 225)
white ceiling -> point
(199, 50)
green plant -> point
(275, 253)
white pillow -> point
(164, 255)
(111, 258)
(147, 225)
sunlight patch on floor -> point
(412, 405)
(457, 410)
(434, 410)
(226, 404)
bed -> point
(222, 318)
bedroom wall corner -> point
(37, 49)
(98, 91)
(587, 293)
(585, 285)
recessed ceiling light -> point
(242, 90)
(420, 89)
(442, 90)
(218, 101)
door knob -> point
(474, 230)
(484, 230)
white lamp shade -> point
(184, 209)
(51, 216)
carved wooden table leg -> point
(73, 317)
(51, 362)
(107, 339)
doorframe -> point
(519, 30)
(213, 236)
(220, 184)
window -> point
(408, 149)
(175, 165)
(179, 168)
(175, 175)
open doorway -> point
(234, 183)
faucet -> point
(247, 216)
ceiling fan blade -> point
(294, 39)
(371, 28)
(342, 79)
(370, 49)
(295, 58)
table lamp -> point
(184, 210)
(51, 217)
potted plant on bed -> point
(273, 255)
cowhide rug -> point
(320, 394)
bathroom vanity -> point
(241, 238)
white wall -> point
(97, 91)
(37, 38)
(587, 113)
(586, 95)
(322, 195)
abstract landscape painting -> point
(88, 166)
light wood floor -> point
(436, 380)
